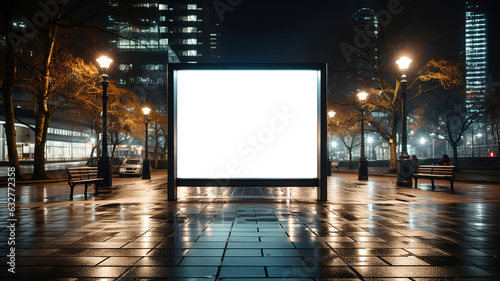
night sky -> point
(310, 31)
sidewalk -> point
(367, 230)
(463, 175)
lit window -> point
(190, 41)
(163, 7)
(190, 53)
(163, 29)
(163, 41)
(190, 18)
(191, 6)
(189, 29)
(163, 18)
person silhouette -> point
(445, 161)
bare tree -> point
(447, 116)
(345, 127)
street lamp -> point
(363, 163)
(405, 169)
(331, 114)
(104, 163)
(146, 168)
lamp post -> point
(331, 114)
(422, 143)
(146, 168)
(479, 144)
(405, 169)
(363, 163)
(104, 163)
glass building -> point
(155, 33)
(476, 54)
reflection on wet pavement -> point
(366, 230)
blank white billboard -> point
(247, 124)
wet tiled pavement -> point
(367, 230)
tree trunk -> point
(7, 85)
(455, 155)
(92, 152)
(42, 120)
(350, 158)
(43, 115)
(393, 157)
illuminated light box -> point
(246, 125)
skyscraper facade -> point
(476, 56)
(152, 33)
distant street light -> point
(363, 163)
(331, 114)
(146, 168)
(404, 168)
(104, 163)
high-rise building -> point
(476, 56)
(153, 33)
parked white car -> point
(131, 166)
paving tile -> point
(173, 272)
(67, 261)
(422, 271)
(119, 261)
(201, 261)
(259, 245)
(304, 272)
(84, 272)
(369, 261)
(242, 272)
(262, 261)
(404, 261)
(205, 253)
(243, 253)
(159, 261)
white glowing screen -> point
(247, 124)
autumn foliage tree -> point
(53, 84)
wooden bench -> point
(435, 172)
(335, 164)
(82, 175)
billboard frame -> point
(322, 168)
